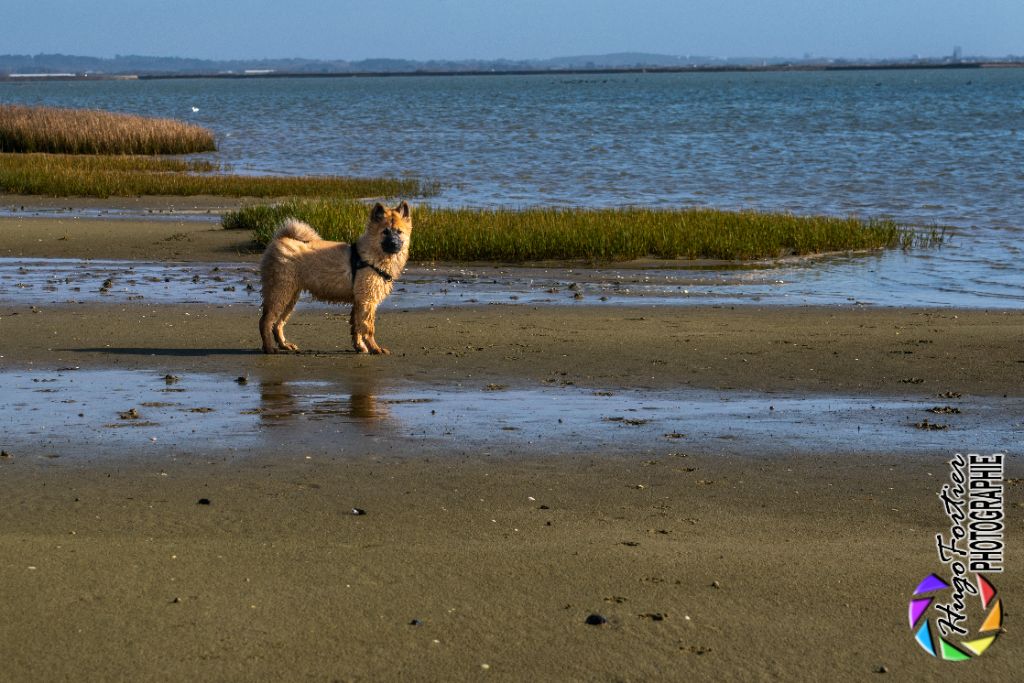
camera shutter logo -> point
(926, 633)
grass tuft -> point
(596, 235)
(65, 175)
(89, 131)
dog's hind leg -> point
(266, 330)
(279, 325)
(275, 312)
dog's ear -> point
(403, 209)
(377, 213)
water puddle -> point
(72, 413)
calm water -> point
(924, 147)
(76, 413)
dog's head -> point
(390, 228)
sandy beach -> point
(710, 559)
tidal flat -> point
(714, 537)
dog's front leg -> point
(362, 319)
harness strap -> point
(356, 262)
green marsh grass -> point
(74, 175)
(89, 131)
(595, 235)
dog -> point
(362, 274)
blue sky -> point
(515, 29)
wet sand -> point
(708, 563)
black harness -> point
(356, 262)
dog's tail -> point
(296, 230)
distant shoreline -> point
(14, 78)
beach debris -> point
(171, 379)
(911, 380)
(494, 387)
(203, 501)
(130, 414)
(595, 620)
(133, 423)
(5, 454)
(631, 544)
(201, 410)
(358, 511)
(716, 584)
(175, 600)
(107, 284)
(543, 507)
(242, 380)
(931, 426)
(697, 649)
(654, 616)
(635, 422)
(882, 669)
(944, 410)
(950, 394)
(415, 622)
(577, 295)
(675, 435)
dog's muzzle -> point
(392, 242)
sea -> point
(926, 147)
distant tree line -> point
(137, 64)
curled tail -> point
(296, 230)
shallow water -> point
(922, 147)
(74, 413)
(866, 279)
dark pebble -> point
(415, 622)
(358, 511)
(203, 501)
(882, 670)
(596, 620)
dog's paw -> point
(269, 349)
(381, 351)
(288, 346)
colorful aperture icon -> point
(928, 635)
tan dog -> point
(298, 260)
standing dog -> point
(362, 274)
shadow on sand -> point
(174, 353)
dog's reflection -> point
(283, 402)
